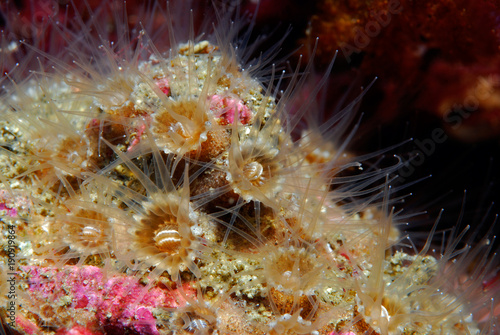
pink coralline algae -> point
(139, 132)
(77, 330)
(163, 188)
(115, 305)
(12, 204)
(163, 85)
(12, 212)
(224, 108)
(26, 325)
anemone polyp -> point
(86, 231)
(181, 127)
(296, 276)
(163, 236)
(256, 168)
(155, 146)
(197, 101)
(294, 270)
(54, 146)
(79, 229)
(159, 231)
(255, 172)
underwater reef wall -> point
(161, 175)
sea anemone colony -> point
(159, 181)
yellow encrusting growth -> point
(182, 170)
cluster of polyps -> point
(183, 166)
